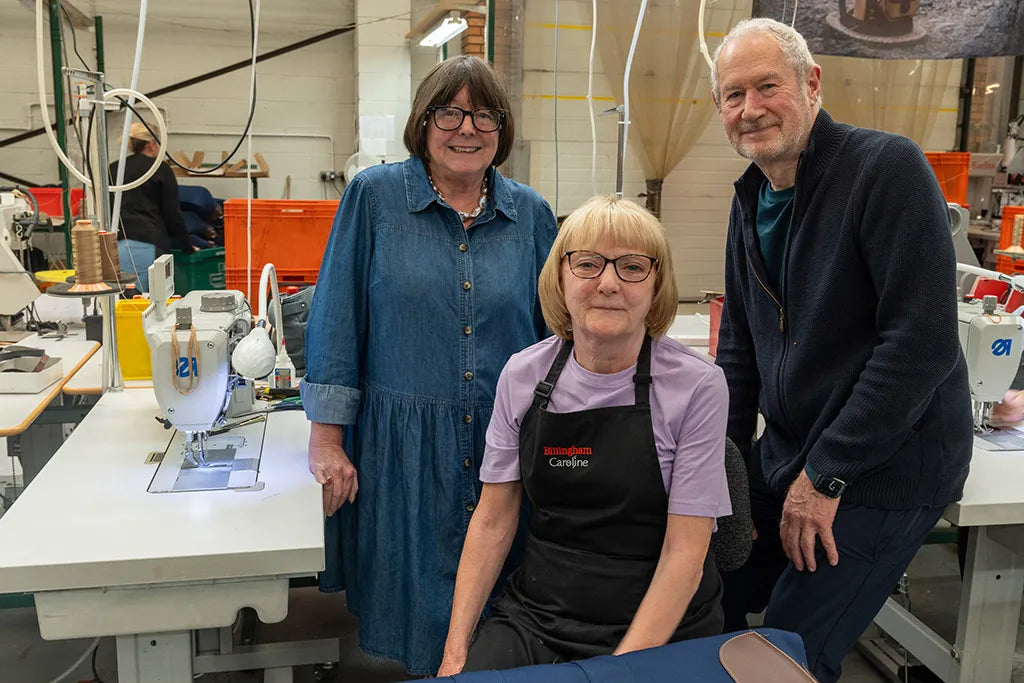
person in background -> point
(836, 236)
(428, 286)
(151, 220)
(615, 434)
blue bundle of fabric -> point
(688, 661)
(199, 208)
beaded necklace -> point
(465, 214)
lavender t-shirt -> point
(689, 408)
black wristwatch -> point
(830, 487)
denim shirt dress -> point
(412, 320)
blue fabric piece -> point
(688, 661)
(400, 314)
(195, 224)
(774, 209)
(136, 257)
(196, 199)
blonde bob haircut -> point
(621, 222)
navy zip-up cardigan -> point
(854, 359)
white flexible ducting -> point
(590, 102)
(554, 72)
(700, 34)
(625, 78)
(265, 280)
(47, 125)
(248, 165)
(115, 213)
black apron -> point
(598, 514)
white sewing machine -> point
(206, 354)
(991, 339)
(17, 219)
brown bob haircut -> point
(621, 222)
(440, 86)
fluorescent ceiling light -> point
(445, 31)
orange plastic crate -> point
(51, 200)
(1005, 264)
(234, 278)
(291, 234)
(951, 170)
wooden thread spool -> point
(85, 247)
(111, 263)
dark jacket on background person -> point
(151, 213)
(854, 359)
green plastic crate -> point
(203, 269)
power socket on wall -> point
(329, 176)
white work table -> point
(992, 508)
(17, 411)
(105, 557)
(691, 329)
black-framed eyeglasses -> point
(629, 267)
(451, 118)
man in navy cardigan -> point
(840, 327)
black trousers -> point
(831, 607)
(501, 643)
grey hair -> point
(794, 47)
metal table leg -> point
(155, 658)
(990, 602)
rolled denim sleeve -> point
(339, 315)
(330, 403)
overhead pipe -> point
(245, 63)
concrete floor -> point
(26, 658)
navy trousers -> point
(831, 607)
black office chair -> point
(732, 542)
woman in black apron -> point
(608, 568)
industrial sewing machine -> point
(206, 353)
(991, 336)
(18, 217)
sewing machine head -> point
(191, 341)
(17, 220)
(991, 341)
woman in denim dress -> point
(428, 286)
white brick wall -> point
(306, 99)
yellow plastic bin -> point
(132, 348)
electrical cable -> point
(590, 102)
(255, 23)
(73, 113)
(334, 184)
(48, 125)
(71, 669)
(74, 39)
(95, 674)
(625, 77)
(170, 159)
